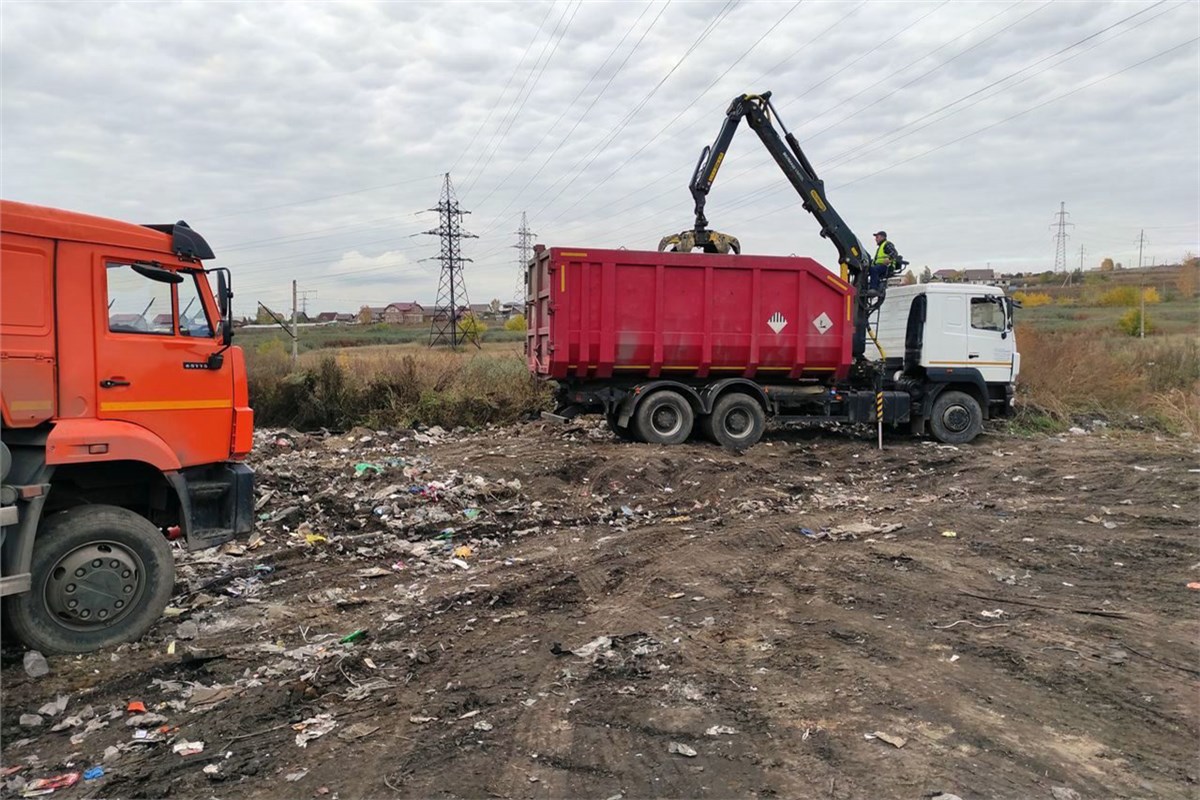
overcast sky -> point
(306, 140)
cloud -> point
(307, 141)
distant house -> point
(946, 275)
(979, 276)
(347, 318)
(325, 317)
(165, 320)
(403, 313)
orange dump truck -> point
(125, 419)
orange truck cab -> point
(125, 420)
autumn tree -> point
(1189, 278)
(1106, 265)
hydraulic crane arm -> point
(758, 111)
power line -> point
(582, 116)
(513, 74)
(514, 110)
(524, 247)
(599, 148)
(686, 108)
(247, 211)
(566, 108)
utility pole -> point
(1060, 238)
(295, 339)
(524, 246)
(1141, 244)
(452, 290)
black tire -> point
(664, 417)
(737, 420)
(624, 434)
(123, 575)
(956, 418)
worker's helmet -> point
(881, 233)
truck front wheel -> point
(101, 575)
(737, 421)
(956, 418)
(665, 417)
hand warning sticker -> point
(822, 323)
(777, 322)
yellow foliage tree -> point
(1189, 278)
(1032, 299)
(515, 323)
(1106, 265)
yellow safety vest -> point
(880, 256)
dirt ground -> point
(548, 612)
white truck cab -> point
(950, 338)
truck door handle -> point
(109, 383)
(972, 355)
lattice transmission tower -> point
(524, 247)
(1060, 238)
(448, 325)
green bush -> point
(1130, 322)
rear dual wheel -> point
(664, 417)
(737, 420)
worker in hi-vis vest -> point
(886, 258)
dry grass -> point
(389, 387)
(1114, 377)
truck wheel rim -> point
(94, 585)
(666, 420)
(956, 418)
(738, 423)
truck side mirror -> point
(226, 332)
(223, 295)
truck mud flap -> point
(216, 503)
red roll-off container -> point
(599, 313)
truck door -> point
(153, 340)
(990, 340)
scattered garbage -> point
(186, 748)
(483, 725)
(1194, 586)
(352, 637)
(42, 786)
(293, 777)
(36, 665)
(997, 614)
(945, 796)
(30, 721)
(364, 467)
(894, 741)
(717, 730)
(93, 773)
(681, 749)
(313, 728)
(950, 534)
(136, 707)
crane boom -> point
(757, 110)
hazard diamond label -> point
(777, 322)
(822, 323)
